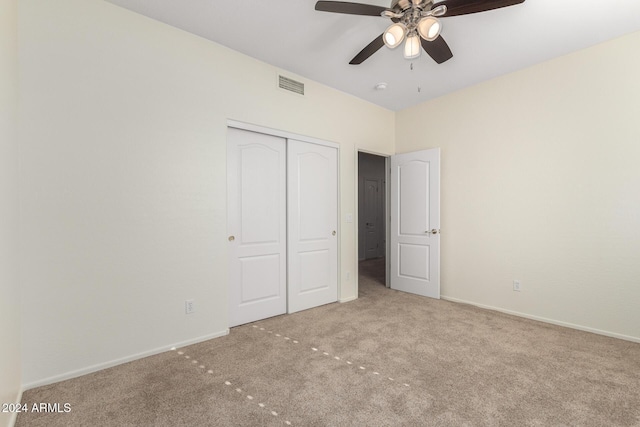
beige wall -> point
(541, 183)
(10, 365)
(123, 185)
(123, 123)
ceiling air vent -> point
(291, 85)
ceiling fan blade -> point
(465, 7)
(350, 8)
(369, 50)
(438, 49)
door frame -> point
(290, 135)
(387, 212)
(282, 134)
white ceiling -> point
(291, 35)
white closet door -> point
(257, 225)
(313, 221)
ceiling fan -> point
(414, 20)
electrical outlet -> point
(516, 285)
(189, 306)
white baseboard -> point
(347, 299)
(546, 320)
(105, 365)
(14, 415)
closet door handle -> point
(333, 233)
(232, 238)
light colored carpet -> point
(386, 359)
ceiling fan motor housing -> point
(400, 5)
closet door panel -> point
(256, 209)
(312, 183)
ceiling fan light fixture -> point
(394, 35)
(436, 11)
(429, 28)
(412, 46)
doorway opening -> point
(406, 243)
(372, 221)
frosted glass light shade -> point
(412, 46)
(394, 35)
(429, 28)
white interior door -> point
(257, 225)
(372, 218)
(313, 221)
(415, 222)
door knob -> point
(333, 233)
(433, 231)
(232, 238)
